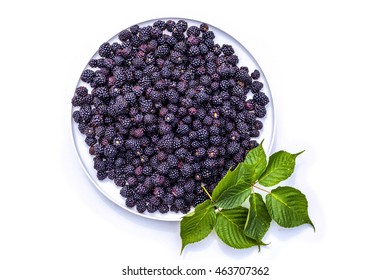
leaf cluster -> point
(243, 227)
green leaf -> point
(230, 228)
(280, 166)
(258, 221)
(256, 161)
(233, 189)
(198, 224)
(288, 207)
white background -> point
(327, 63)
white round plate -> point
(108, 188)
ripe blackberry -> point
(193, 31)
(179, 203)
(172, 161)
(209, 163)
(260, 98)
(141, 189)
(162, 51)
(254, 133)
(110, 151)
(256, 86)
(200, 152)
(199, 199)
(202, 134)
(193, 51)
(77, 116)
(141, 206)
(212, 152)
(183, 129)
(163, 168)
(257, 125)
(260, 111)
(227, 49)
(242, 127)
(101, 174)
(130, 202)
(151, 208)
(233, 147)
(126, 191)
(173, 174)
(174, 209)
(206, 173)
(178, 191)
(164, 128)
(255, 74)
(163, 208)
(105, 50)
(160, 24)
(87, 75)
(186, 170)
(168, 198)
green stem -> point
(208, 194)
(264, 190)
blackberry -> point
(193, 31)
(254, 133)
(101, 174)
(215, 140)
(163, 168)
(110, 151)
(162, 51)
(212, 152)
(193, 51)
(260, 111)
(255, 74)
(209, 163)
(183, 129)
(172, 161)
(178, 191)
(126, 191)
(141, 189)
(200, 152)
(199, 199)
(260, 98)
(179, 203)
(256, 86)
(141, 206)
(168, 198)
(163, 208)
(173, 174)
(105, 50)
(227, 49)
(206, 173)
(164, 128)
(132, 144)
(77, 116)
(202, 134)
(257, 125)
(151, 208)
(242, 127)
(232, 148)
(87, 75)
(160, 24)
(186, 170)
(130, 202)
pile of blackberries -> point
(165, 111)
